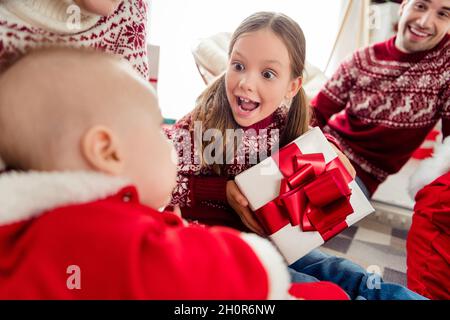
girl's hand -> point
(100, 7)
(345, 161)
(240, 204)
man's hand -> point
(345, 161)
(240, 204)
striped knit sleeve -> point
(187, 164)
(194, 183)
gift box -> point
(303, 195)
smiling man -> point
(383, 101)
(423, 24)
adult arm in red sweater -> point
(334, 95)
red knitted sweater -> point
(381, 103)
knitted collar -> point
(398, 55)
(24, 195)
(51, 15)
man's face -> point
(422, 25)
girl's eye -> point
(238, 66)
(268, 74)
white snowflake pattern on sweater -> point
(392, 93)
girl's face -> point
(258, 79)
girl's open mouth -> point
(246, 105)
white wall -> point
(176, 24)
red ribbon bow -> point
(313, 194)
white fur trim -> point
(24, 195)
(276, 268)
(432, 168)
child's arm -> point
(177, 262)
(194, 183)
(193, 189)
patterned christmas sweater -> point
(29, 24)
(381, 103)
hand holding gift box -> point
(303, 195)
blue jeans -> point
(352, 278)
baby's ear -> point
(100, 148)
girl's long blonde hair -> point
(212, 106)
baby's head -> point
(66, 109)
